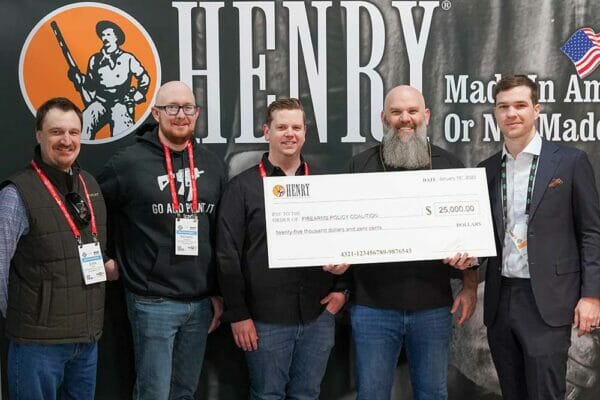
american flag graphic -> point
(583, 48)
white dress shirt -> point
(515, 262)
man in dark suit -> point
(547, 272)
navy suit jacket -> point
(563, 234)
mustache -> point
(407, 125)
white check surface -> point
(377, 217)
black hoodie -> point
(141, 220)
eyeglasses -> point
(78, 208)
(173, 109)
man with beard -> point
(406, 303)
(161, 194)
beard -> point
(412, 153)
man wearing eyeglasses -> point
(161, 195)
(52, 236)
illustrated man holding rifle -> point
(106, 89)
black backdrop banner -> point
(339, 58)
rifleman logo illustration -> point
(98, 56)
(278, 190)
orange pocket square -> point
(555, 182)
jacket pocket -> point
(567, 266)
(45, 303)
(160, 269)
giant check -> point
(377, 217)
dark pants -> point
(530, 356)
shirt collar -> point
(534, 147)
(109, 58)
(63, 181)
(273, 170)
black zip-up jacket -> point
(142, 222)
(402, 285)
(250, 289)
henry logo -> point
(292, 190)
(278, 191)
(99, 57)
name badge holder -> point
(92, 263)
(186, 235)
(518, 233)
(186, 226)
(90, 254)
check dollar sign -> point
(428, 210)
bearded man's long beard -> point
(410, 154)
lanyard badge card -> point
(186, 226)
(186, 235)
(92, 264)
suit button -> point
(531, 263)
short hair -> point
(512, 81)
(61, 103)
(104, 25)
(284, 104)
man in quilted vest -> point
(52, 237)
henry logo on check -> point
(278, 190)
(292, 190)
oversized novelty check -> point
(377, 217)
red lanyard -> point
(263, 171)
(61, 204)
(171, 175)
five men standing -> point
(162, 194)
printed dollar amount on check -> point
(377, 217)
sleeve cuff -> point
(235, 315)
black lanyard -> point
(534, 163)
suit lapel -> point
(549, 160)
(495, 188)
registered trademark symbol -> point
(446, 4)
